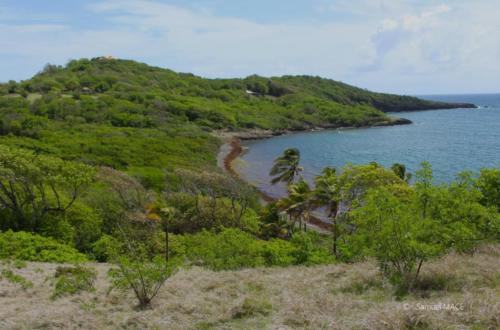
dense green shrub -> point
(106, 248)
(405, 226)
(235, 249)
(278, 252)
(489, 185)
(32, 247)
(230, 249)
(306, 252)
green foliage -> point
(106, 248)
(230, 249)
(489, 185)
(70, 280)
(32, 247)
(126, 94)
(400, 171)
(286, 167)
(306, 252)
(207, 200)
(233, 249)
(391, 231)
(34, 186)
(272, 223)
(298, 204)
(278, 252)
(405, 226)
(86, 224)
(327, 195)
(129, 94)
(144, 277)
(356, 180)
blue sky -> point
(401, 46)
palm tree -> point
(287, 205)
(327, 194)
(286, 167)
(274, 223)
(400, 171)
(299, 203)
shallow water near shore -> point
(451, 140)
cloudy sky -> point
(401, 46)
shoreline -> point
(235, 150)
(231, 150)
(259, 134)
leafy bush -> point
(106, 248)
(144, 277)
(230, 249)
(489, 185)
(306, 252)
(72, 280)
(278, 252)
(235, 249)
(32, 247)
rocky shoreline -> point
(257, 134)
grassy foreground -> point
(340, 296)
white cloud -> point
(408, 30)
(443, 48)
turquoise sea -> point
(451, 140)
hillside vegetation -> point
(139, 118)
(130, 94)
(108, 167)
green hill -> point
(129, 94)
(145, 119)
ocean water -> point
(451, 140)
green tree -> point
(390, 230)
(356, 180)
(400, 171)
(273, 223)
(424, 187)
(298, 204)
(33, 186)
(488, 183)
(327, 194)
(286, 167)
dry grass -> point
(325, 297)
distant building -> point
(107, 57)
(249, 92)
